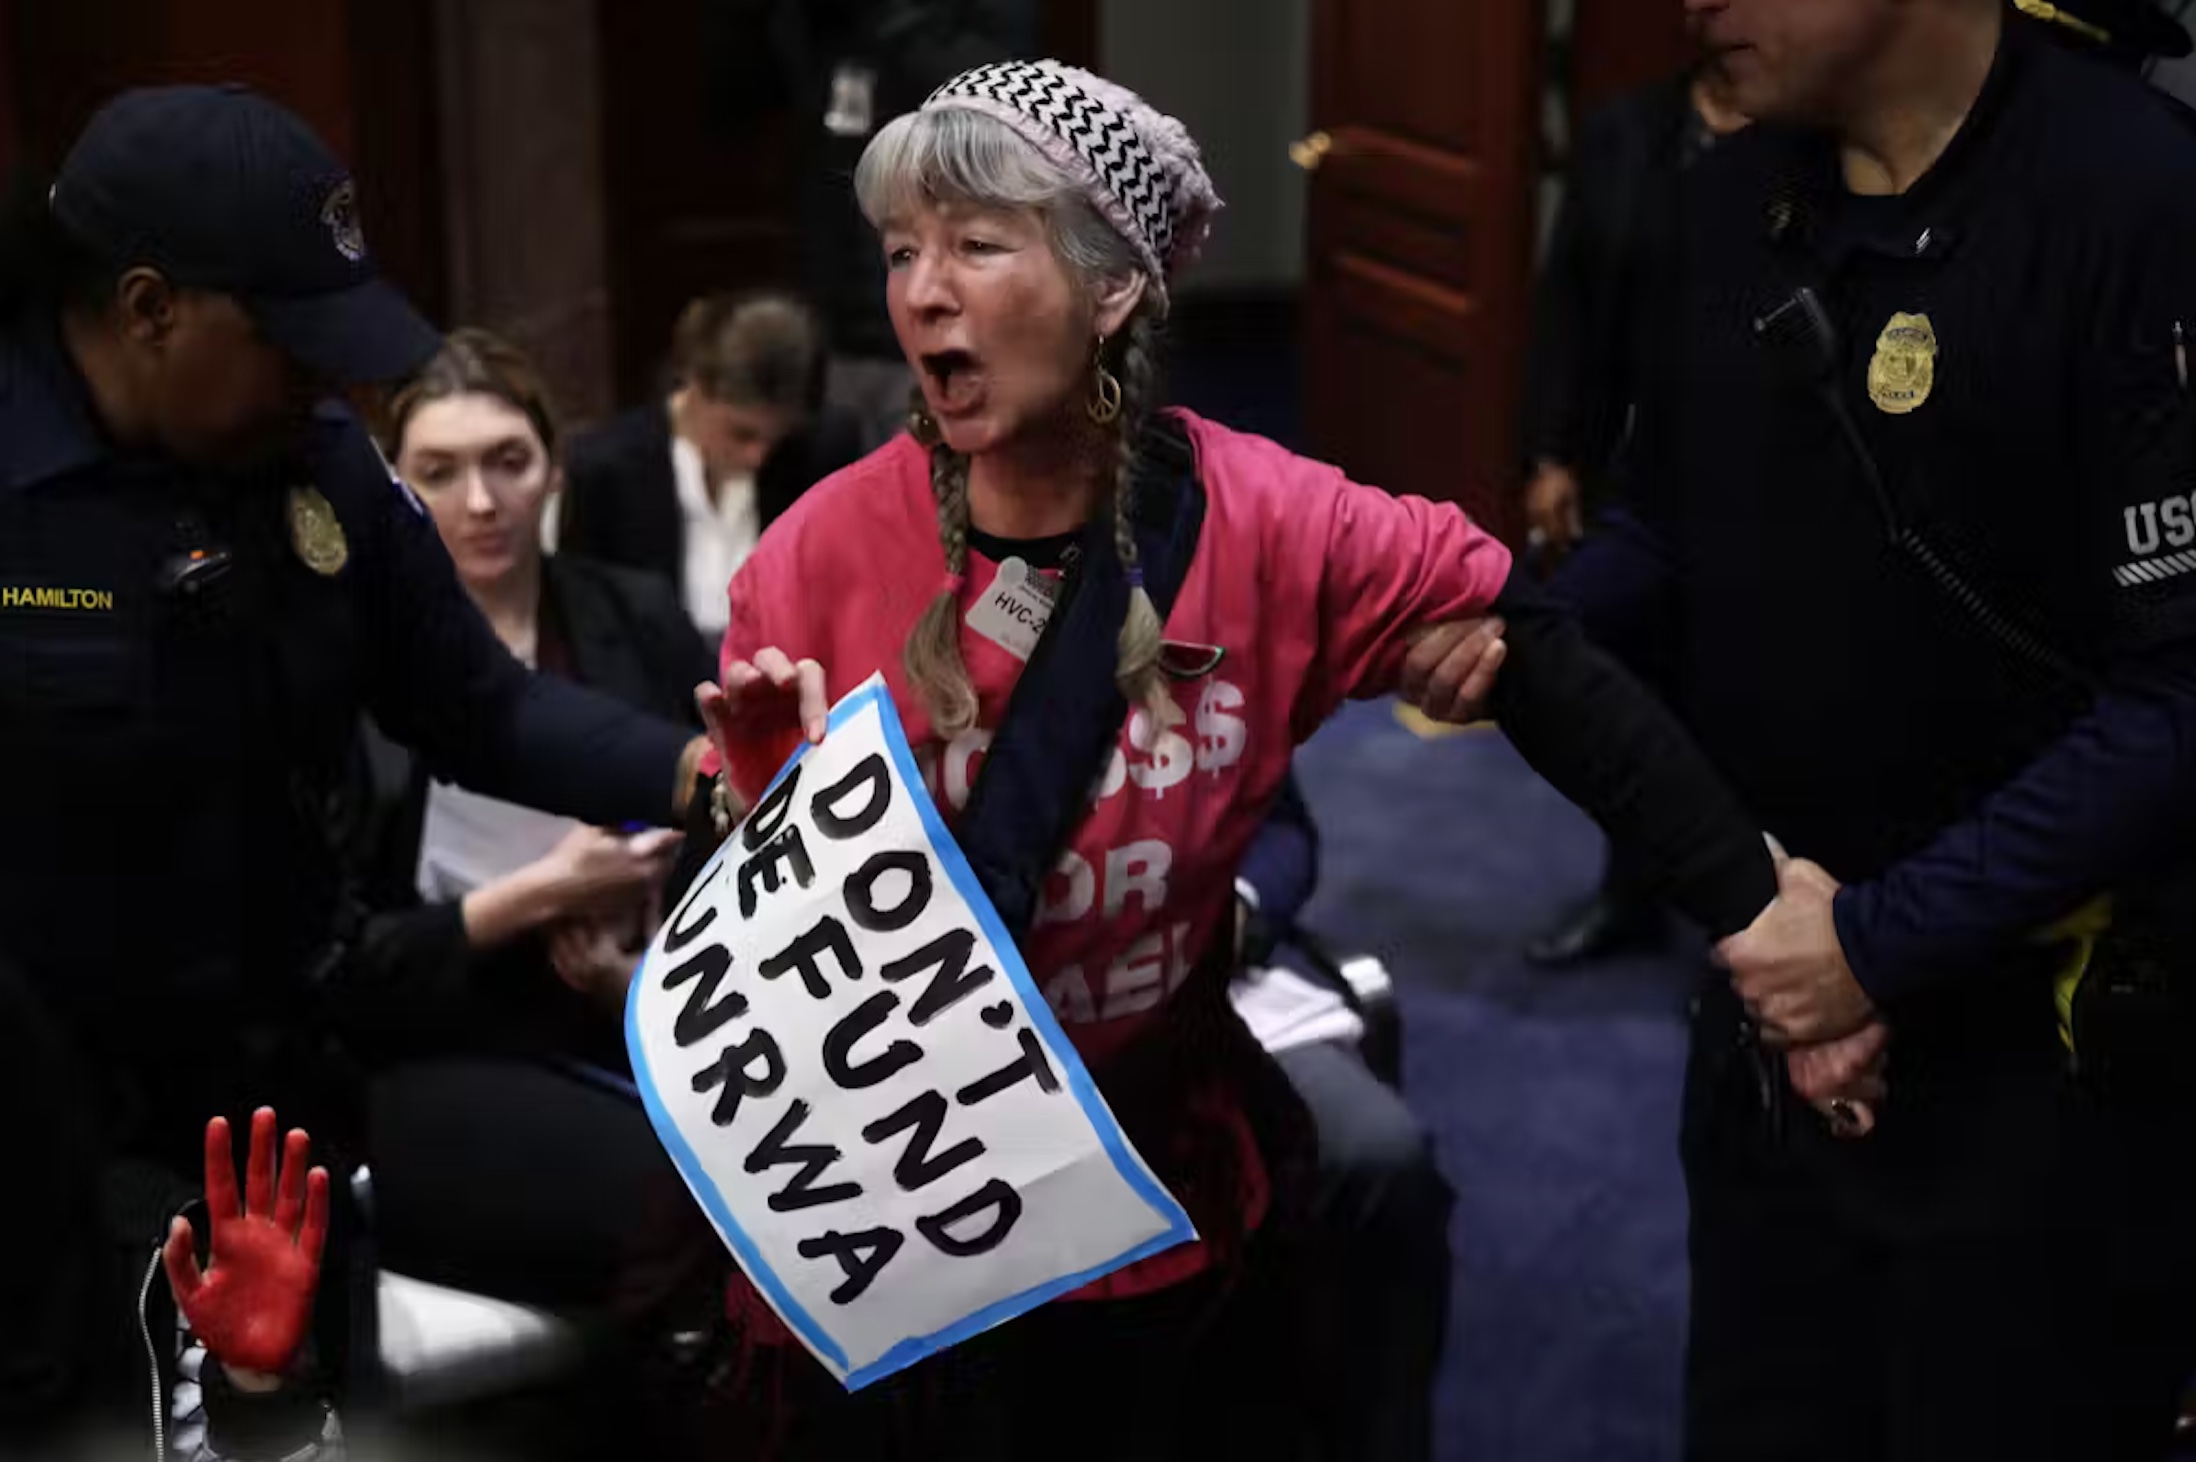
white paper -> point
(467, 840)
(1283, 1009)
(832, 1072)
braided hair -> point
(1136, 657)
(933, 652)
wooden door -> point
(1419, 271)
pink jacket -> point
(1308, 583)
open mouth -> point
(952, 378)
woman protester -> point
(1106, 625)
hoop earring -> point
(1104, 405)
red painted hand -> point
(760, 716)
(252, 1304)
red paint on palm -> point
(756, 759)
(753, 740)
(253, 1304)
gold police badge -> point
(315, 532)
(1905, 364)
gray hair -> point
(952, 155)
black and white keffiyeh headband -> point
(1140, 167)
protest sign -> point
(847, 1059)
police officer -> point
(1918, 477)
(206, 574)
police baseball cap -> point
(219, 188)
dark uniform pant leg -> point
(1819, 1337)
(2137, 1308)
(1784, 1300)
(1978, 1363)
(2033, 1304)
(2063, 1330)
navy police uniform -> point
(1994, 364)
(185, 652)
(170, 746)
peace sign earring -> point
(1104, 405)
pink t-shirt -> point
(1308, 584)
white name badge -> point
(1013, 611)
(844, 1054)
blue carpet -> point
(1552, 1096)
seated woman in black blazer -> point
(500, 940)
(681, 487)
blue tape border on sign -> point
(1034, 1005)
